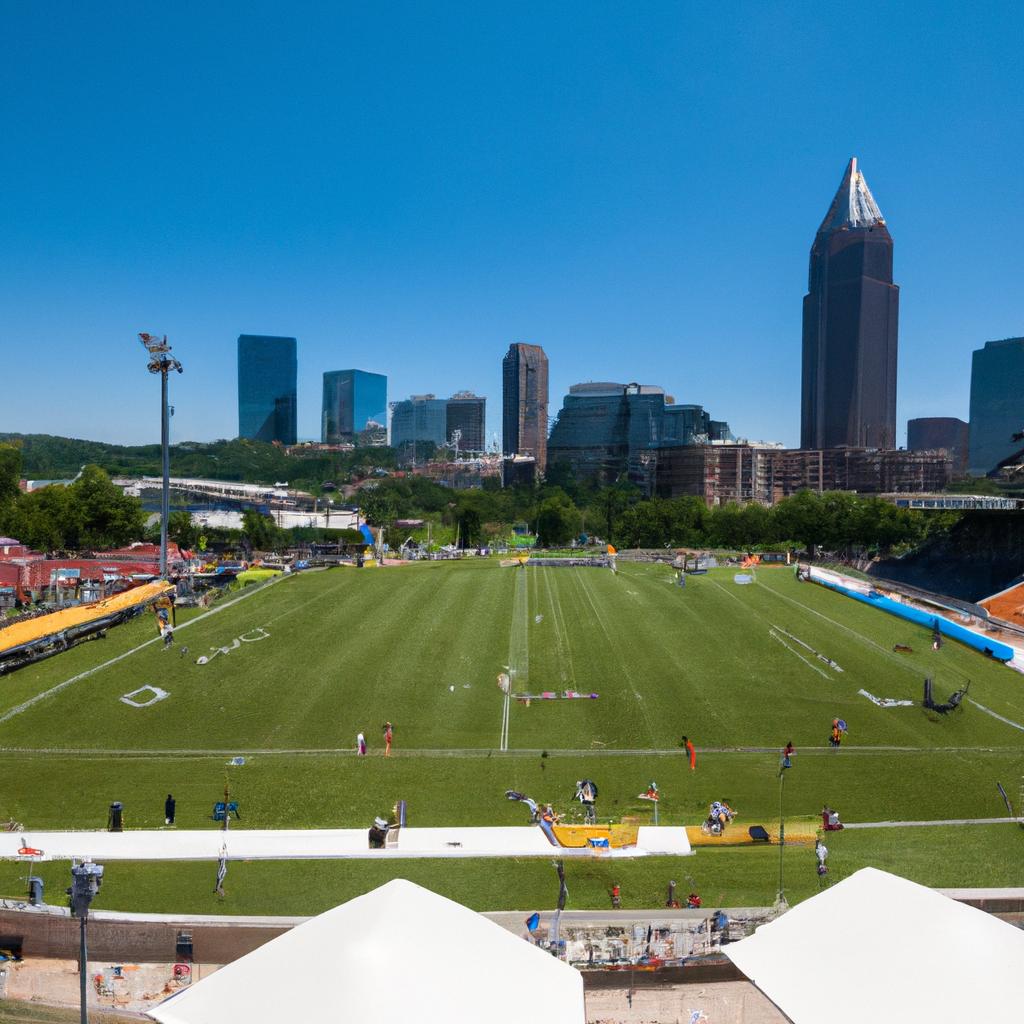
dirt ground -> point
(1008, 606)
(720, 1002)
(35, 982)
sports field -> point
(297, 669)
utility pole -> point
(160, 361)
(782, 837)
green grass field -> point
(326, 655)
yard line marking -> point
(989, 711)
(25, 705)
(584, 585)
(518, 650)
(813, 668)
(100, 753)
(924, 824)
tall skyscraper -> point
(267, 370)
(355, 407)
(524, 407)
(467, 414)
(850, 326)
(997, 404)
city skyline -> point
(632, 192)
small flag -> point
(533, 922)
(611, 550)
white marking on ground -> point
(989, 711)
(25, 705)
(813, 668)
(584, 585)
(927, 824)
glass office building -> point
(355, 407)
(603, 429)
(467, 414)
(267, 370)
(997, 404)
(419, 420)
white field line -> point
(989, 711)
(104, 753)
(25, 705)
(581, 580)
(923, 824)
(813, 668)
(560, 644)
(518, 651)
(807, 647)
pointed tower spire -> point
(853, 206)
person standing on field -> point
(361, 745)
(691, 753)
(169, 806)
(387, 739)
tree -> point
(10, 474)
(102, 514)
(376, 506)
(261, 532)
(181, 529)
(558, 521)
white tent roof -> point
(398, 953)
(877, 947)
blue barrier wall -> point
(993, 648)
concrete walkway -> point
(338, 844)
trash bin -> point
(35, 890)
(116, 817)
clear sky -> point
(409, 188)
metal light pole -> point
(86, 879)
(160, 361)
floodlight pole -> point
(86, 879)
(160, 361)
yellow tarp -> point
(577, 836)
(799, 833)
(56, 622)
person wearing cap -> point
(378, 833)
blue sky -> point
(410, 188)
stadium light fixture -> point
(86, 879)
(162, 362)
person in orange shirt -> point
(690, 752)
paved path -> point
(334, 844)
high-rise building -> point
(355, 408)
(417, 423)
(267, 371)
(997, 404)
(929, 433)
(467, 414)
(524, 403)
(605, 430)
(850, 326)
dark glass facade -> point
(850, 326)
(997, 404)
(467, 413)
(930, 433)
(605, 430)
(421, 418)
(267, 372)
(524, 403)
(355, 405)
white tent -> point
(398, 953)
(877, 947)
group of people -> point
(388, 730)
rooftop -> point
(853, 206)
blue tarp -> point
(993, 648)
(367, 534)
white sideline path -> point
(339, 844)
